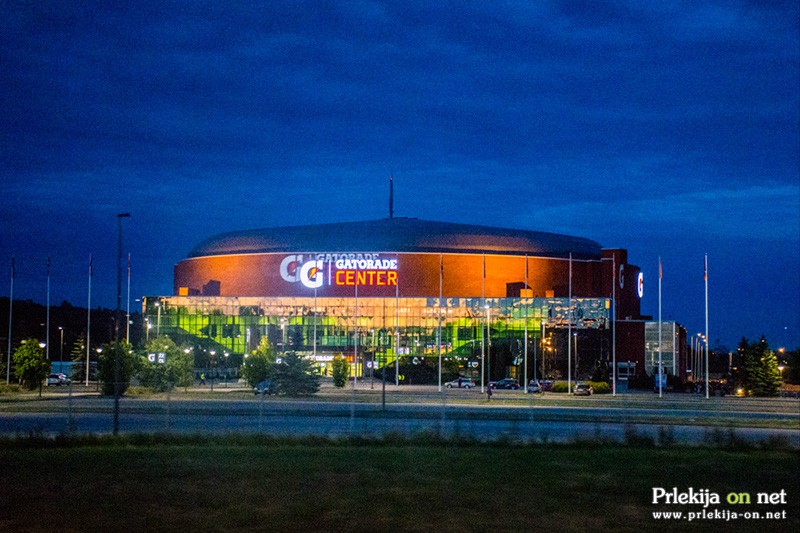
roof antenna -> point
(391, 195)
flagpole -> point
(315, 321)
(483, 337)
(614, 324)
(89, 321)
(439, 330)
(525, 346)
(397, 334)
(660, 368)
(10, 311)
(128, 307)
(47, 326)
(355, 337)
(569, 330)
(705, 277)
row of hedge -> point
(598, 387)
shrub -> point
(109, 368)
(340, 370)
(260, 364)
(600, 387)
(176, 368)
(30, 365)
(6, 389)
(139, 391)
(560, 386)
(295, 376)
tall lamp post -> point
(488, 348)
(61, 350)
(10, 314)
(117, 318)
(213, 362)
(158, 319)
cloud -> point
(760, 213)
(600, 118)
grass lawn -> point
(240, 484)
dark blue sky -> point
(668, 128)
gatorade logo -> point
(342, 269)
(290, 268)
(311, 274)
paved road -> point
(336, 419)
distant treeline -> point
(29, 319)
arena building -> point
(401, 293)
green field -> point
(141, 483)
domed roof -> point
(398, 235)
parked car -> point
(547, 385)
(58, 380)
(460, 383)
(506, 383)
(264, 387)
(583, 389)
(534, 386)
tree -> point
(115, 357)
(165, 365)
(341, 370)
(259, 364)
(78, 356)
(30, 365)
(757, 371)
(295, 376)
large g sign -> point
(311, 274)
(621, 276)
(290, 270)
(640, 285)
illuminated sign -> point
(342, 269)
(366, 264)
(311, 274)
(289, 270)
(366, 277)
(640, 285)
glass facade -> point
(669, 341)
(385, 329)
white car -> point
(460, 383)
(58, 379)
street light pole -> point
(577, 365)
(61, 350)
(569, 330)
(47, 326)
(117, 317)
(488, 347)
(10, 313)
(483, 355)
(158, 320)
(128, 306)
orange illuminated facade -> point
(407, 273)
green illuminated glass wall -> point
(382, 328)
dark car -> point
(583, 389)
(264, 387)
(506, 383)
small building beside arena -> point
(401, 292)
